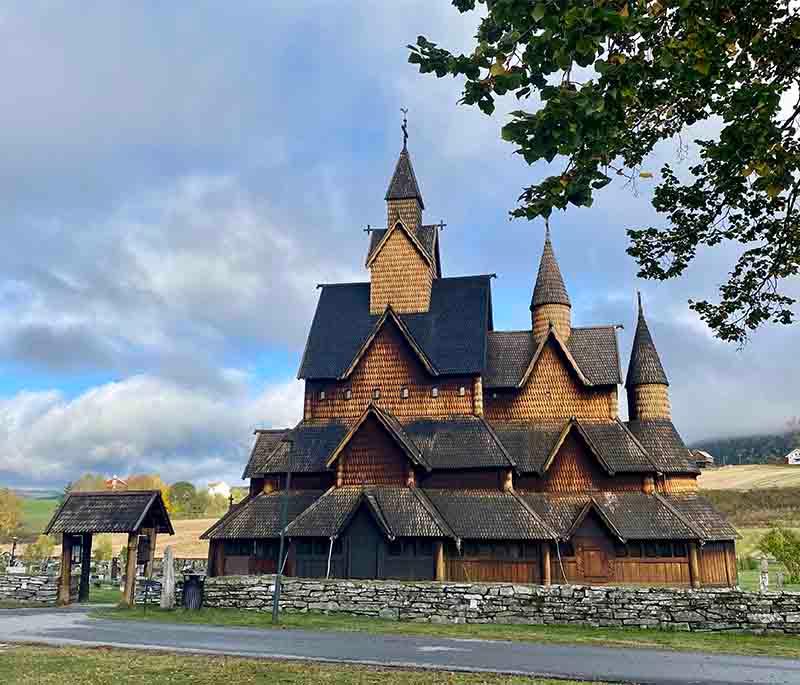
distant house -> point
(793, 458)
(219, 488)
(116, 483)
(703, 459)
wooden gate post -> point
(66, 570)
(212, 554)
(130, 570)
(694, 565)
(86, 567)
(440, 571)
(546, 570)
(152, 534)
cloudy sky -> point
(175, 180)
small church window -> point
(376, 393)
(348, 394)
(322, 394)
(434, 391)
(462, 391)
(404, 393)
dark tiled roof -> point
(645, 365)
(557, 511)
(110, 512)
(529, 445)
(488, 515)
(711, 524)
(260, 516)
(618, 448)
(452, 334)
(311, 446)
(400, 512)
(403, 184)
(426, 235)
(549, 288)
(458, 442)
(594, 350)
(664, 445)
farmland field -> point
(36, 513)
(750, 477)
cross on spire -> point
(404, 110)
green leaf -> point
(539, 11)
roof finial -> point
(547, 229)
(404, 110)
(639, 298)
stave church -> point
(434, 447)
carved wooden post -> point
(86, 567)
(546, 571)
(66, 569)
(130, 570)
(694, 565)
(440, 569)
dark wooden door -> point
(364, 540)
(595, 563)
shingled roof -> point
(594, 350)
(403, 184)
(310, 447)
(664, 445)
(127, 511)
(260, 516)
(711, 524)
(425, 235)
(452, 334)
(645, 365)
(549, 288)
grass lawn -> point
(105, 594)
(36, 513)
(748, 580)
(50, 666)
(731, 643)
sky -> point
(176, 179)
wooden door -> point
(364, 540)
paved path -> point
(74, 627)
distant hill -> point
(751, 449)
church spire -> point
(403, 196)
(550, 302)
(646, 382)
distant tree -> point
(605, 81)
(182, 495)
(151, 481)
(88, 482)
(217, 506)
(200, 503)
(102, 549)
(10, 513)
(784, 545)
(39, 552)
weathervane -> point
(404, 110)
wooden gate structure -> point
(139, 513)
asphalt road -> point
(74, 627)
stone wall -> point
(668, 609)
(40, 589)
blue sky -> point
(176, 179)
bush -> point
(784, 545)
(102, 548)
(748, 564)
(39, 552)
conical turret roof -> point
(403, 185)
(645, 365)
(550, 288)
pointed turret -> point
(550, 303)
(403, 197)
(647, 384)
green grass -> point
(36, 514)
(730, 643)
(105, 594)
(748, 580)
(54, 666)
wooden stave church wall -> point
(400, 276)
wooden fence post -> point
(66, 570)
(130, 570)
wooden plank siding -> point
(718, 564)
(389, 365)
(491, 570)
(372, 456)
(551, 394)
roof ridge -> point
(679, 516)
(430, 507)
(533, 513)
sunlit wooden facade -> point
(434, 447)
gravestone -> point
(168, 579)
(763, 581)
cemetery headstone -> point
(168, 579)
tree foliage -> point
(10, 513)
(39, 552)
(610, 79)
(784, 545)
(102, 549)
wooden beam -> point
(130, 570)
(66, 570)
(546, 570)
(212, 549)
(694, 565)
(86, 567)
(440, 568)
(219, 561)
(152, 534)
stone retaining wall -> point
(40, 589)
(667, 609)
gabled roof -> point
(310, 447)
(124, 511)
(392, 426)
(702, 515)
(452, 334)
(413, 236)
(489, 515)
(592, 351)
(593, 506)
(427, 236)
(549, 288)
(664, 445)
(399, 512)
(645, 365)
(260, 516)
(403, 184)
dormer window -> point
(376, 393)
(434, 392)
(404, 393)
(348, 394)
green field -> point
(36, 514)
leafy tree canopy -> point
(10, 513)
(609, 79)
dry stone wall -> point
(667, 609)
(39, 589)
